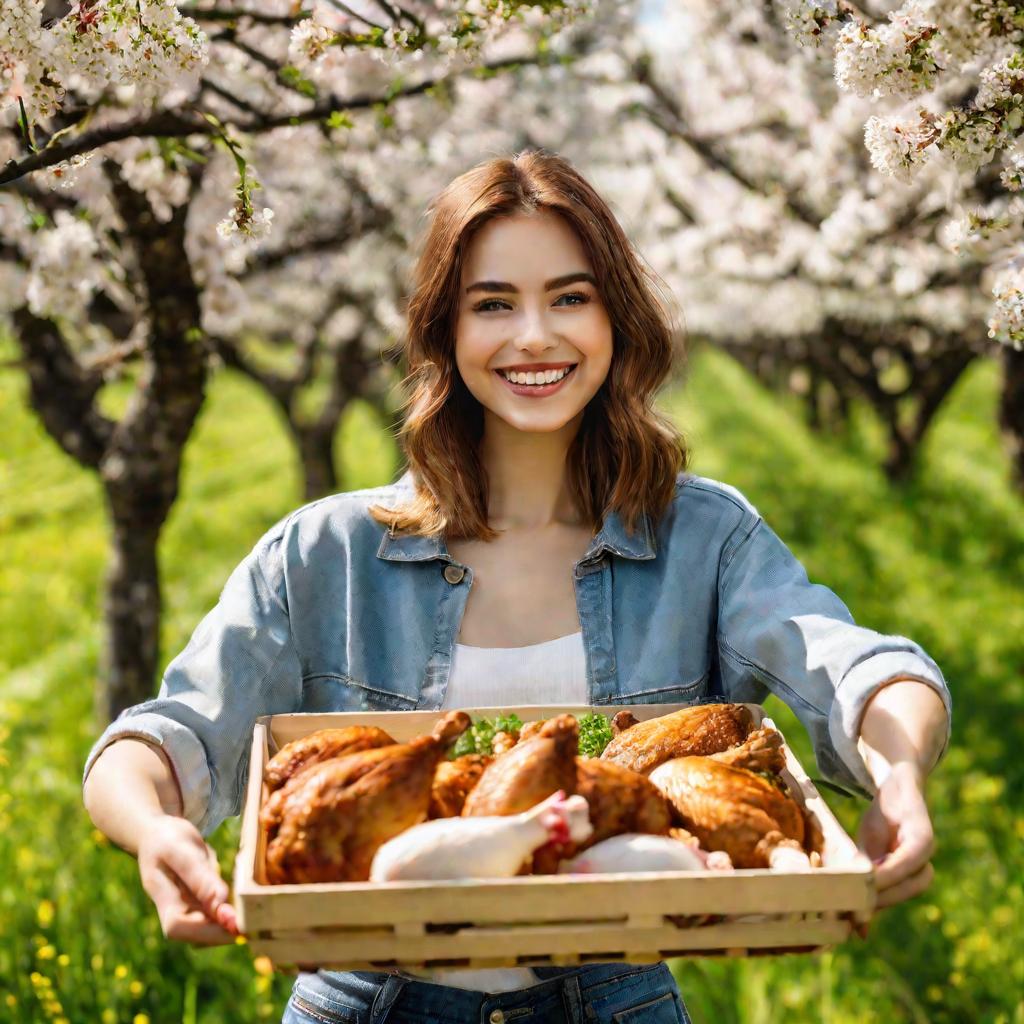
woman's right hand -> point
(180, 873)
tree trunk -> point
(132, 608)
(316, 451)
(1011, 411)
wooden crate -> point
(540, 920)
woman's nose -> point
(535, 332)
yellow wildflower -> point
(136, 988)
(99, 838)
(265, 1009)
(26, 858)
(96, 962)
(120, 971)
(38, 979)
(44, 913)
(46, 952)
(108, 1016)
(63, 959)
(263, 985)
(263, 965)
(53, 1007)
(11, 1000)
(239, 940)
(61, 1020)
(140, 1018)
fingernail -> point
(880, 860)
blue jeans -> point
(593, 994)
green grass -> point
(940, 560)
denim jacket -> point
(332, 612)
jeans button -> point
(497, 1017)
(454, 573)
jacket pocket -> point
(332, 691)
(693, 692)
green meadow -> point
(940, 560)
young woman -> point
(545, 545)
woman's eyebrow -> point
(555, 282)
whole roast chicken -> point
(698, 730)
(332, 824)
(732, 809)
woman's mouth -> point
(536, 390)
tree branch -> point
(173, 125)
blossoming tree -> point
(133, 204)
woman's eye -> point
(575, 295)
(481, 307)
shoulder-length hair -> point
(625, 456)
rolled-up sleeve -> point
(799, 640)
(240, 663)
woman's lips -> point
(534, 390)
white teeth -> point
(535, 377)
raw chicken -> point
(698, 730)
(634, 852)
(488, 847)
(453, 781)
(536, 767)
(318, 746)
(730, 808)
(333, 824)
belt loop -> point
(572, 1000)
(387, 996)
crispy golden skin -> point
(349, 766)
(318, 746)
(537, 766)
(453, 781)
(699, 730)
(730, 808)
(334, 822)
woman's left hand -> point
(896, 833)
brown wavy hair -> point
(625, 456)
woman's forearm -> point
(130, 783)
(904, 723)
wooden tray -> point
(540, 920)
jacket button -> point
(497, 1017)
(454, 573)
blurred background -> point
(207, 215)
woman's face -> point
(529, 302)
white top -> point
(552, 672)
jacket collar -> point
(612, 536)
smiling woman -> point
(545, 546)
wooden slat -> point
(508, 947)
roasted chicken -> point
(537, 766)
(320, 746)
(731, 809)
(453, 781)
(333, 823)
(699, 730)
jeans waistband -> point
(557, 995)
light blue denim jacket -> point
(331, 612)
